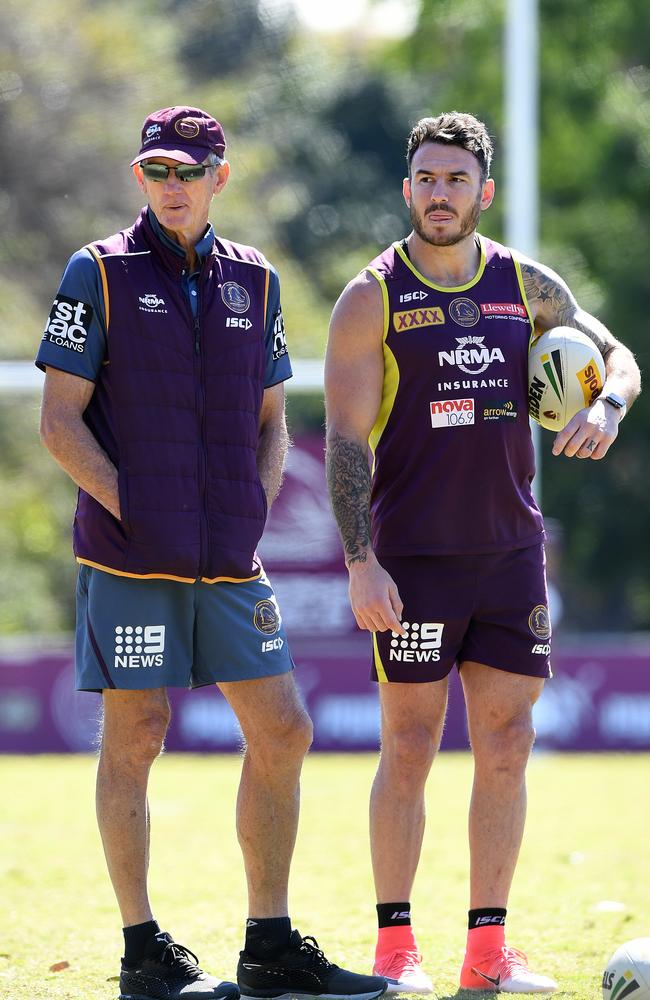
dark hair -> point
(453, 128)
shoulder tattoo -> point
(554, 304)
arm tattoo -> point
(554, 305)
(348, 478)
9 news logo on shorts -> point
(421, 644)
(139, 646)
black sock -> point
(394, 914)
(135, 940)
(267, 937)
(486, 916)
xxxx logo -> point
(411, 319)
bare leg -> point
(278, 734)
(411, 729)
(499, 714)
(135, 723)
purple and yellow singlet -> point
(453, 453)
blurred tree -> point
(219, 38)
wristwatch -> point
(617, 402)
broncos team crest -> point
(235, 297)
(266, 617)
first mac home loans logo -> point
(68, 323)
(139, 646)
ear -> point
(487, 195)
(406, 191)
(221, 175)
(139, 176)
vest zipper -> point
(203, 462)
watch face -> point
(615, 400)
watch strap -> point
(617, 402)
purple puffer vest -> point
(176, 408)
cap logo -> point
(187, 128)
(153, 132)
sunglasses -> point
(184, 172)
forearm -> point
(348, 479)
(271, 454)
(79, 454)
(622, 373)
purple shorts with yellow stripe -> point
(490, 609)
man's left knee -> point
(509, 742)
(288, 736)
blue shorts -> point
(490, 609)
(140, 634)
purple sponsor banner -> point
(599, 699)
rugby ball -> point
(566, 372)
(628, 971)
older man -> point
(165, 360)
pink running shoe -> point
(402, 968)
(506, 971)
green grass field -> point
(587, 841)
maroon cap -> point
(188, 135)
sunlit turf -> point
(587, 843)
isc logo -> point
(240, 321)
(542, 648)
(270, 644)
(139, 646)
(413, 296)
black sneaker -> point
(303, 971)
(169, 971)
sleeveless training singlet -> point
(453, 453)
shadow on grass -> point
(480, 994)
